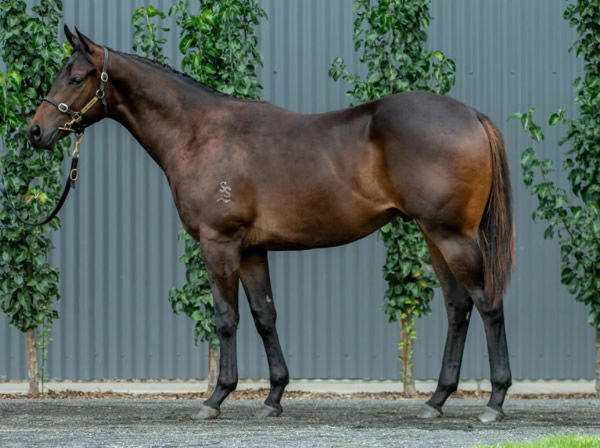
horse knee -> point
(226, 326)
(265, 321)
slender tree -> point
(391, 36)
(28, 283)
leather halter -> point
(75, 124)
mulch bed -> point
(260, 394)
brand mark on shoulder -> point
(225, 191)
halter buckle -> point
(63, 108)
(100, 94)
(104, 77)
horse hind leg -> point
(254, 274)
(465, 260)
(458, 308)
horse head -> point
(70, 105)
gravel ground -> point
(304, 423)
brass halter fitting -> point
(74, 173)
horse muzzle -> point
(42, 139)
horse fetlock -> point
(280, 381)
(227, 386)
(448, 386)
(501, 381)
(501, 385)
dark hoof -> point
(491, 415)
(429, 412)
(269, 411)
(206, 413)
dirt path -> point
(305, 422)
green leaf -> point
(516, 116)
(536, 133)
(525, 121)
(186, 43)
(374, 77)
(595, 225)
(527, 157)
(554, 118)
(15, 79)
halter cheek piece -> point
(76, 125)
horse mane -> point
(181, 75)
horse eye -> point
(76, 81)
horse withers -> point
(248, 177)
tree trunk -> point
(408, 380)
(598, 362)
(212, 367)
(32, 363)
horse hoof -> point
(268, 411)
(429, 412)
(206, 413)
(491, 415)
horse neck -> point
(156, 108)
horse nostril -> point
(35, 133)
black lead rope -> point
(70, 183)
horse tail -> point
(496, 230)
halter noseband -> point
(75, 124)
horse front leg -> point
(222, 262)
(254, 274)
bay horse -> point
(248, 177)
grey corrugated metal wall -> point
(118, 250)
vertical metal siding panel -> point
(118, 252)
(13, 351)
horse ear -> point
(70, 37)
(85, 42)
